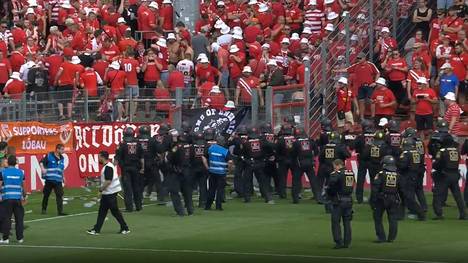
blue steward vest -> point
(217, 160)
(12, 183)
(54, 168)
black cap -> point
(326, 124)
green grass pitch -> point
(254, 232)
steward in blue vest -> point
(52, 166)
(216, 161)
(11, 195)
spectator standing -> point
(452, 24)
(425, 98)
(452, 115)
(459, 62)
(5, 70)
(246, 84)
(345, 101)
(383, 101)
(422, 16)
(396, 68)
(448, 82)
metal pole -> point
(36, 109)
(269, 104)
(347, 39)
(307, 94)
(178, 114)
(394, 18)
(23, 107)
(323, 54)
(371, 30)
(254, 107)
(130, 107)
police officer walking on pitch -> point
(385, 198)
(340, 193)
(200, 174)
(12, 194)
(129, 156)
(52, 166)
(110, 187)
(362, 141)
(446, 164)
(147, 145)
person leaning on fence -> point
(65, 81)
(52, 168)
(15, 87)
(345, 100)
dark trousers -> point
(466, 192)
(181, 182)
(238, 175)
(200, 179)
(442, 184)
(342, 211)
(159, 181)
(149, 179)
(323, 174)
(131, 183)
(283, 169)
(58, 189)
(408, 190)
(361, 178)
(420, 191)
(109, 202)
(391, 206)
(215, 189)
(309, 171)
(271, 172)
(257, 168)
(13, 207)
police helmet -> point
(393, 126)
(326, 124)
(198, 137)
(447, 140)
(183, 136)
(408, 144)
(286, 129)
(186, 126)
(129, 132)
(210, 134)
(163, 129)
(299, 132)
(334, 137)
(253, 132)
(242, 130)
(366, 125)
(379, 136)
(266, 128)
(409, 132)
(144, 130)
(220, 140)
(388, 163)
(442, 125)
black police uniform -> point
(364, 139)
(254, 158)
(373, 154)
(239, 165)
(385, 198)
(409, 165)
(200, 174)
(446, 164)
(161, 145)
(340, 193)
(129, 155)
(180, 178)
(284, 150)
(304, 154)
(147, 143)
(269, 138)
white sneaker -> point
(21, 241)
(124, 232)
(271, 202)
(4, 242)
(92, 232)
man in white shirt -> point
(110, 187)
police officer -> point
(385, 198)
(363, 140)
(304, 154)
(200, 174)
(254, 156)
(129, 156)
(52, 167)
(340, 193)
(235, 143)
(374, 153)
(12, 194)
(409, 164)
(269, 138)
(210, 136)
(284, 149)
(146, 142)
(446, 164)
(435, 140)
(393, 138)
(326, 126)
(162, 144)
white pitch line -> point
(233, 253)
(67, 216)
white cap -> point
(115, 65)
(272, 62)
(343, 80)
(307, 30)
(345, 13)
(204, 60)
(201, 55)
(446, 65)
(313, 2)
(266, 46)
(237, 36)
(220, 3)
(330, 27)
(332, 15)
(295, 36)
(171, 36)
(381, 81)
(219, 24)
(361, 16)
(230, 104)
(31, 64)
(354, 37)
(15, 75)
(262, 8)
(30, 11)
(247, 69)
(237, 30)
(329, 1)
(450, 96)
(421, 80)
(89, 11)
(75, 60)
(32, 3)
(304, 41)
(225, 30)
(234, 49)
(153, 5)
(285, 40)
(343, 32)
(66, 4)
(383, 122)
(121, 20)
(253, 2)
(385, 29)
(161, 42)
(215, 46)
(167, 2)
(215, 89)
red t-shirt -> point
(251, 33)
(366, 71)
(344, 99)
(459, 64)
(217, 100)
(116, 78)
(100, 66)
(79, 41)
(16, 60)
(127, 42)
(19, 36)
(175, 80)
(424, 107)
(130, 65)
(454, 111)
(383, 96)
(53, 63)
(68, 74)
(452, 22)
(111, 52)
(167, 12)
(14, 88)
(394, 74)
(205, 88)
(206, 74)
(152, 73)
(161, 93)
(88, 79)
(235, 68)
(5, 69)
(414, 75)
(246, 85)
